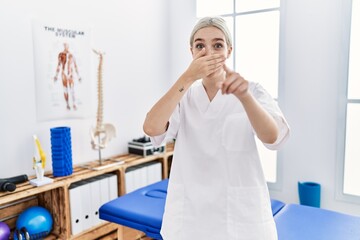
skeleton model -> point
(103, 132)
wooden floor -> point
(123, 233)
(113, 236)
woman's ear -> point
(229, 52)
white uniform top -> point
(217, 189)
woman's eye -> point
(218, 45)
(199, 46)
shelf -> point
(55, 196)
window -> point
(255, 29)
(351, 150)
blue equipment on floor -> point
(4, 231)
(33, 223)
(143, 210)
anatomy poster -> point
(62, 59)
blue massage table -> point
(143, 210)
(299, 222)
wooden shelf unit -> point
(55, 197)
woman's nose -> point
(209, 51)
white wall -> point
(312, 70)
(311, 56)
(182, 19)
(134, 35)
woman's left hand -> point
(234, 83)
(263, 123)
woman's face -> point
(213, 40)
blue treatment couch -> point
(298, 222)
(143, 210)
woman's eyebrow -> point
(213, 40)
(218, 39)
(199, 39)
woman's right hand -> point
(204, 65)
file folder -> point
(86, 214)
(75, 208)
(113, 186)
(104, 188)
(154, 173)
(129, 180)
(95, 200)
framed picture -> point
(62, 63)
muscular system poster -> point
(62, 61)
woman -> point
(217, 188)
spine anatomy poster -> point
(62, 59)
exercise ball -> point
(4, 231)
(37, 221)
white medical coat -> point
(217, 189)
